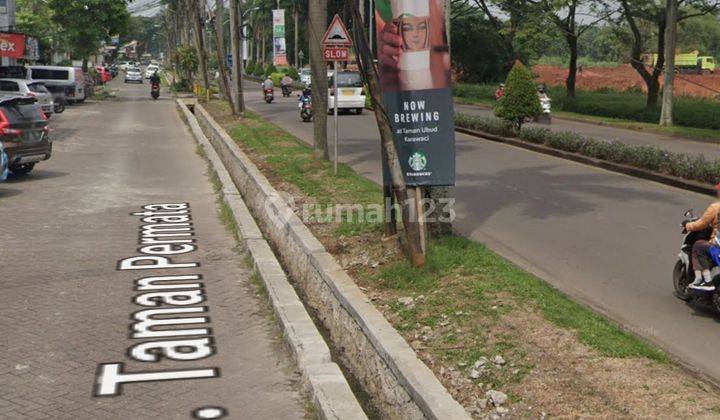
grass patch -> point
(294, 162)
(483, 275)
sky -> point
(145, 7)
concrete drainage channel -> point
(400, 386)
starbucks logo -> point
(417, 161)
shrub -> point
(292, 72)
(488, 125)
(258, 71)
(521, 101)
(250, 68)
(646, 157)
(270, 69)
(276, 77)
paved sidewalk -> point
(68, 309)
(603, 132)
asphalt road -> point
(710, 150)
(608, 239)
(67, 308)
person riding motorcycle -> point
(306, 93)
(155, 78)
(268, 84)
(286, 81)
(702, 260)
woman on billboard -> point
(412, 45)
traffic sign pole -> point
(335, 89)
(336, 43)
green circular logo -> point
(417, 161)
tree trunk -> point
(220, 51)
(200, 47)
(235, 28)
(318, 25)
(409, 214)
(666, 114)
(296, 28)
(572, 42)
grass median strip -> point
(681, 165)
(478, 321)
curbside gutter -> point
(610, 166)
(330, 392)
(400, 384)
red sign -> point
(336, 53)
(337, 34)
(12, 45)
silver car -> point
(37, 90)
(133, 75)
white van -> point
(70, 78)
(351, 95)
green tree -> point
(521, 101)
(86, 23)
(33, 17)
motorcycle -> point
(305, 105)
(286, 91)
(155, 90)
(269, 94)
(684, 273)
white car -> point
(37, 90)
(350, 92)
(305, 76)
(124, 65)
(133, 75)
(150, 70)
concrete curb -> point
(610, 166)
(331, 394)
(400, 385)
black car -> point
(24, 133)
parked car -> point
(305, 76)
(350, 93)
(133, 75)
(24, 133)
(104, 75)
(150, 70)
(20, 87)
(71, 79)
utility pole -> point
(235, 45)
(666, 114)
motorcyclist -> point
(500, 92)
(286, 81)
(268, 84)
(702, 260)
(306, 93)
(154, 78)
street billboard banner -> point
(3, 6)
(32, 49)
(415, 79)
(12, 45)
(279, 47)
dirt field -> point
(624, 78)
